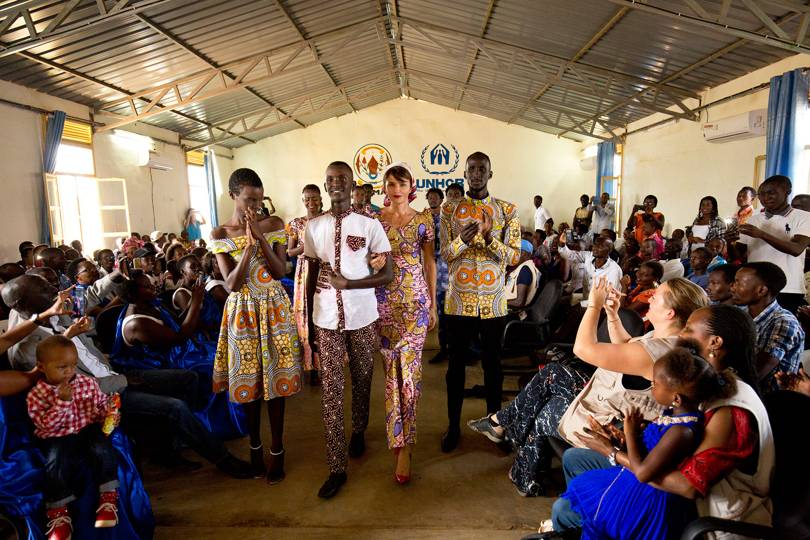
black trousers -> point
(461, 331)
(63, 456)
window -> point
(81, 206)
(198, 189)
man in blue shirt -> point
(780, 338)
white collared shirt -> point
(344, 244)
(541, 215)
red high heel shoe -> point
(402, 479)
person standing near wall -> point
(541, 215)
(480, 237)
(407, 307)
(602, 214)
(311, 197)
(192, 224)
(779, 235)
(435, 197)
(340, 289)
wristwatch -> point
(34, 318)
(612, 457)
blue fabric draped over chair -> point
(787, 116)
(224, 419)
(21, 478)
(208, 162)
(53, 138)
(605, 152)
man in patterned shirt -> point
(480, 237)
(780, 338)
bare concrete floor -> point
(465, 494)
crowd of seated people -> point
(721, 303)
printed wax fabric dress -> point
(613, 504)
(309, 359)
(258, 353)
(21, 478)
(224, 419)
(404, 305)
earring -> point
(712, 355)
(674, 404)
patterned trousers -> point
(534, 415)
(333, 346)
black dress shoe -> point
(236, 468)
(332, 485)
(450, 440)
(357, 445)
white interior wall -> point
(21, 174)
(673, 161)
(525, 162)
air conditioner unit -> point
(158, 165)
(742, 126)
(588, 163)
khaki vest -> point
(606, 399)
(739, 496)
(511, 282)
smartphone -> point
(569, 236)
(137, 264)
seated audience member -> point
(628, 233)
(582, 215)
(175, 252)
(596, 263)
(698, 265)
(68, 410)
(214, 282)
(551, 233)
(145, 260)
(54, 258)
(745, 205)
(536, 412)
(619, 502)
(522, 282)
(9, 271)
(721, 278)
(610, 234)
(106, 262)
(557, 266)
(801, 202)
(729, 474)
(130, 246)
(48, 274)
(780, 338)
(707, 224)
(601, 213)
(26, 254)
(650, 233)
(71, 255)
(645, 212)
(149, 338)
(671, 260)
(37, 252)
(541, 253)
(632, 258)
(716, 247)
(585, 236)
(454, 192)
(680, 235)
(779, 235)
(146, 395)
(91, 293)
(191, 271)
(77, 245)
(648, 278)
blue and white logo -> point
(439, 159)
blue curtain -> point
(787, 108)
(53, 137)
(604, 164)
(212, 189)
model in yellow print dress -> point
(258, 353)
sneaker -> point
(107, 513)
(486, 427)
(357, 445)
(60, 527)
(332, 485)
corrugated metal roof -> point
(552, 65)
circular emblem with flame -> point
(369, 163)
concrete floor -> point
(465, 494)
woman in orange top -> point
(636, 219)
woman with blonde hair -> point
(560, 400)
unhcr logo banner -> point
(440, 163)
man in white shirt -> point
(541, 215)
(340, 289)
(596, 263)
(602, 217)
(780, 235)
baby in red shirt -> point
(67, 410)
